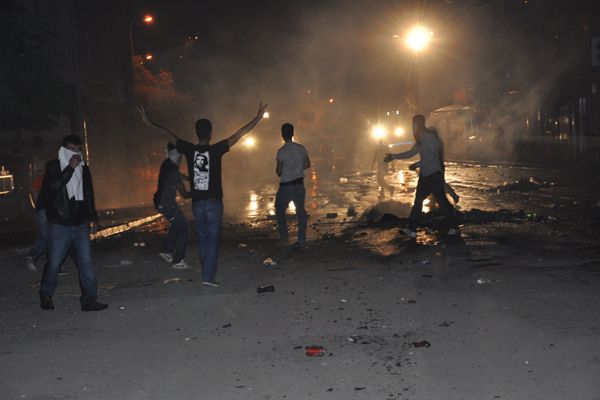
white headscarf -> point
(75, 184)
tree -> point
(157, 92)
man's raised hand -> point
(160, 129)
(261, 110)
(142, 112)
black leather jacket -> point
(59, 208)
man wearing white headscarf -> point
(71, 212)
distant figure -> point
(204, 166)
(292, 160)
(431, 179)
(40, 245)
(69, 204)
(20, 169)
(169, 182)
(382, 168)
(39, 157)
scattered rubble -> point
(265, 289)
(422, 343)
(172, 280)
(269, 262)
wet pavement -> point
(488, 193)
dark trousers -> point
(41, 241)
(285, 195)
(179, 232)
(432, 184)
(60, 240)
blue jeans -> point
(60, 240)
(41, 239)
(285, 194)
(177, 238)
(208, 217)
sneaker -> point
(167, 257)
(30, 264)
(94, 306)
(46, 303)
(452, 232)
(181, 265)
(409, 233)
(299, 245)
(211, 283)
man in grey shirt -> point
(431, 179)
(292, 160)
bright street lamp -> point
(148, 19)
(418, 38)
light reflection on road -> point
(327, 193)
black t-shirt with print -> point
(204, 166)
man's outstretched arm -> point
(402, 156)
(240, 133)
(160, 129)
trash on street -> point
(265, 289)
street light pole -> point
(417, 40)
(416, 82)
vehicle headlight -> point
(379, 132)
(399, 131)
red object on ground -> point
(315, 351)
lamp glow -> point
(418, 38)
(379, 132)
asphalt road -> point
(510, 309)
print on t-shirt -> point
(201, 170)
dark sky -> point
(272, 49)
(339, 46)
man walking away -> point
(292, 160)
(204, 166)
(431, 179)
(447, 188)
(169, 182)
(71, 213)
